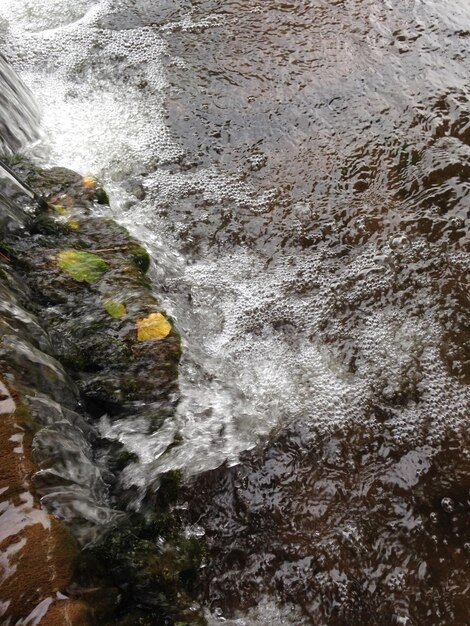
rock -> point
(82, 335)
(38, 552)
(69, 612)
(93, 279)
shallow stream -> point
(300, 172)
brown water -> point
(300, 171)
(357, 110)
(355, 116)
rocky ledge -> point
(82, 335)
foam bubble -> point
(266, 613)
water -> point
(300, 173)
(19, 116)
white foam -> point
(265, 613)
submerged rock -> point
(38, 552)
(355, 527)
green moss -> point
(108, 351)
(115, 545)
(141, 258)
(170, 483)
(149, 571)
(123, 458)
(72, 225)
(115, 229)
(75, 359)
(6, 249)
(130, 386)
(14, 159)
(146, 284)
(101, 196)
(46, 225)
(193, 551)
(82, 266)
(58, 208)
(178, 438)
(164, 525)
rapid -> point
(299, 172)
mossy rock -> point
(94, 277)
(170, 484)
(44, 224)
(74, 358)
(82, 266)
(164, 525)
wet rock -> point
(44, 371)
(76, 295)
(16, 321)
(150, 572)
(70, 612)
(9, 220)
(47, 412)
(38, 553)
(63, 454)
(86, 276)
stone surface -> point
(73, 298)
(37, 552)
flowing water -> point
(300, 172)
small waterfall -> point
(19, 113)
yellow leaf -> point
(153, 328)
(73, 224)
(89, 182)
(82, 266)
(61, 210)
(115, 309)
